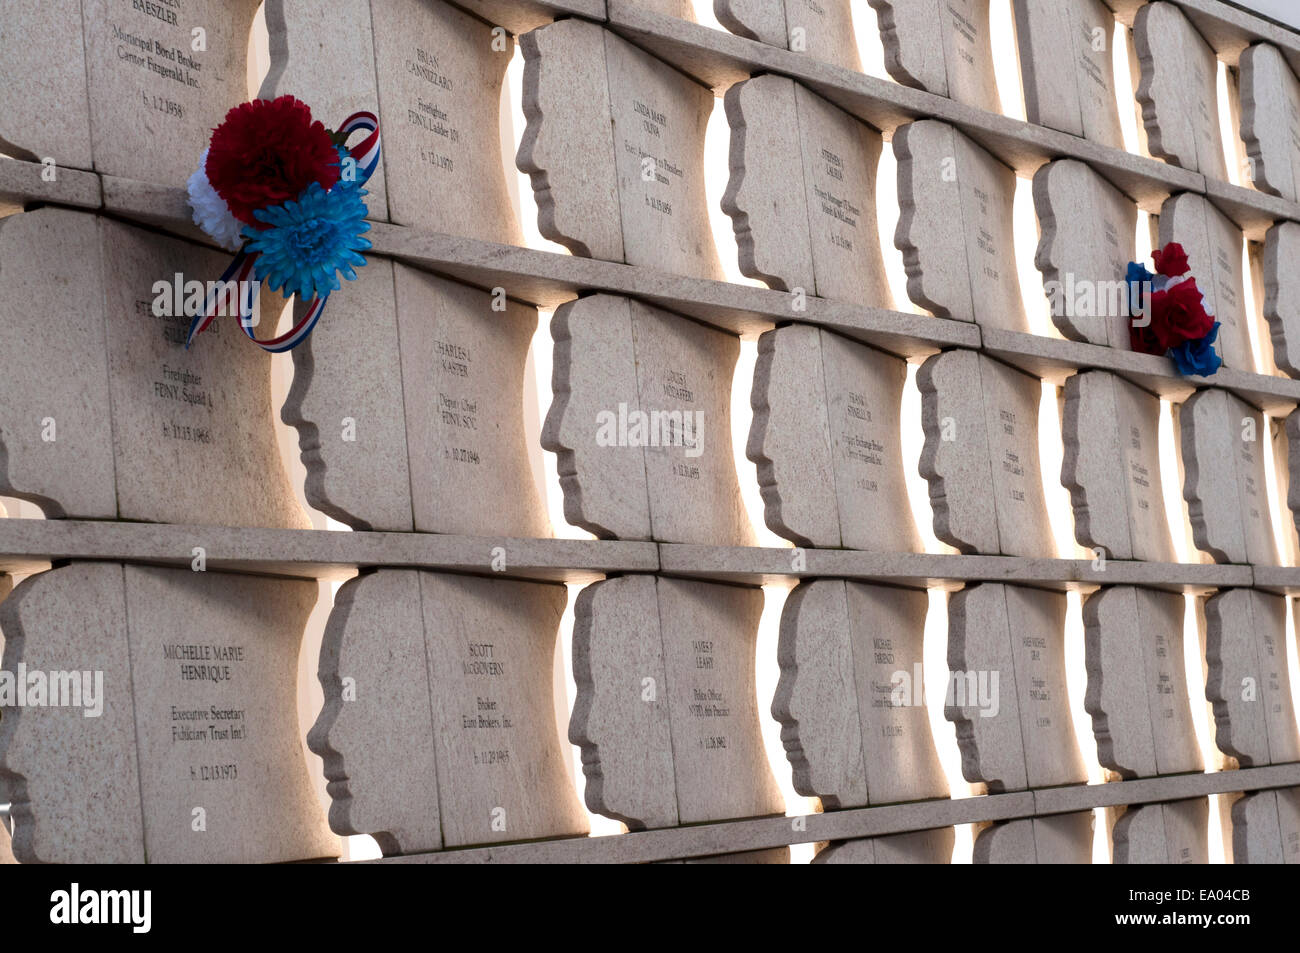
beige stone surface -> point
(375, 732)
(1017, 732)
(1137, 688)
(149, 83)
(709, 634)
(1057, 839)
(1175, 832)
(1082, 100)
(918, 847)
(1282, 294)
(967, 272)
(1111, 466)
(440, 73)
(195, 755)
(1270, 120)
(765, 197)
(462, 374)
(1086, 240)
(1224, 481)
(1266, 827)
(1213, 246)
(502, 775)
(985, 486)
(346, 404)
(594, 371)
(1178, 90)
(639, 387)
(942, 46)
(666, 712)
(73, 618)
(840, 156)
(44, 110)
(789, 437)
(566, 99)
(686, 368)
(214, 663)
(52, 257)
(1247, 682)
(823, 30)
(621, 711)
(640, 198)
(658, 118)
(192, 434)
(329, 63)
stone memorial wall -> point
(578, 605)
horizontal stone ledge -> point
(23, 184)
(29, 545)
(1054, 359)
(1227, 29)
(720, 59)
(520, 16)
(1253, 211)
(1281, 579)
(1168, 788)
(731, 837)
(939, 570)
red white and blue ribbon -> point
(366, 156)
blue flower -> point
(306, 244)
(1197, 357)
(1138, 279)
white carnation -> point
(211, 212)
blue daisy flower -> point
(308, 243)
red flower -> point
(1144, 341)
(267, 152)
(1170, 260)
(1178, 314)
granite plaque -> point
(635, 192)
(469, 659)
(178, 741)
(955, 227)
(918, 847)
(1057, 839)
(641, 423)
(1282, 294)
(1086, 240)
(980, 455)
(665, 676)
(1111, 466)
(850, 698)
(1175, 832)
(1223, 478)
(1270, 120)
(1007, 688)
(1178, 90)
(804, 209)
(1080, 97)
(1137, 686)
(1266, 827)
(826, 444)
(113, 417)
(821, 28)
(1213, 245)
(941, 46)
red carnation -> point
(267, 152)
(1144, 341)
(1170, 260)
(1178, 314)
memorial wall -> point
(758, 431)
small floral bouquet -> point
(1170, 314)
(284, 193)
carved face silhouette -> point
(374, 732)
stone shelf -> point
(29, 545)
(1283, 579)
(757, 834)
(939, 570)
(1055, 359)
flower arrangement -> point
(1170, 314)
(284, 193)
